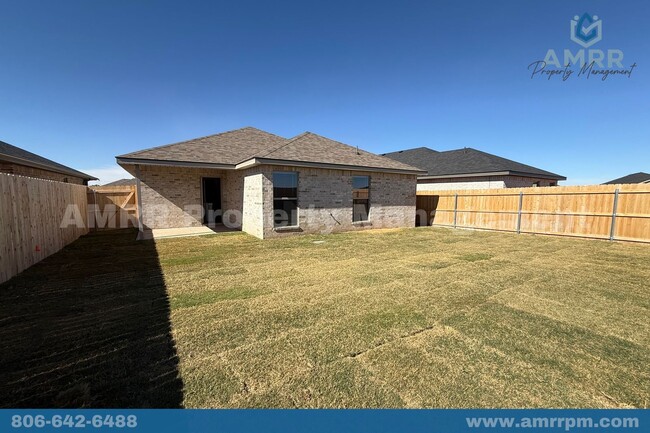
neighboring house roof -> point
(639, 177)
(249, 146)
(121, 182)
(466, 162)
(413, 157)
(16, 155)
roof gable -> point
(466, 161)
(242, 146)
(314, 148)
(228, 148)
(11, 153)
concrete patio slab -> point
(182, 232)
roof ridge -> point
(491, 155)
(359, 151)
(411, 149)
(466, 160)
(507, 159)
(198, 138)
(290, 140)
(366, 152)
(340, 142)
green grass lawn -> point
(409, 318)
(425, 317)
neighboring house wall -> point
(324, 198)
(486, 182)
(525, 182)
(23, 170)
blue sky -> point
(83, 81)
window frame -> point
(288, 223)
(367, 200)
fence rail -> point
(31, 213)
(615, 212)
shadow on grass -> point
(89, 327)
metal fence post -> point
(614, 210)
(521, 201)
(455, 208)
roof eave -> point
(168, 163)
(444, 176)
(269, 161)
(28, 163)
(493, 173)
(540, 175)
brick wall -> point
(168, 192)
(325, 201)
(484, 182)
(253, 199)
(23, 170)
(324, 198)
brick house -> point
(269, 186)
(471, 169)
(14, 160)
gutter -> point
(122, 160)
(254, 162)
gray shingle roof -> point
(414, 157)
(465, 161)
(310, 147)
(20, 156)
(121, 182)
(234, 147)
(227, 148)
(639, 177)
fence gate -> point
(426, 206)
(111, 207)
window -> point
(285, 199)
(360, 198)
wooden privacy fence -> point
(111, 207)
(31, 215)
(615, 212)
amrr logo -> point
(586, 30)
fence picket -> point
(616, 212)
(31, 211)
